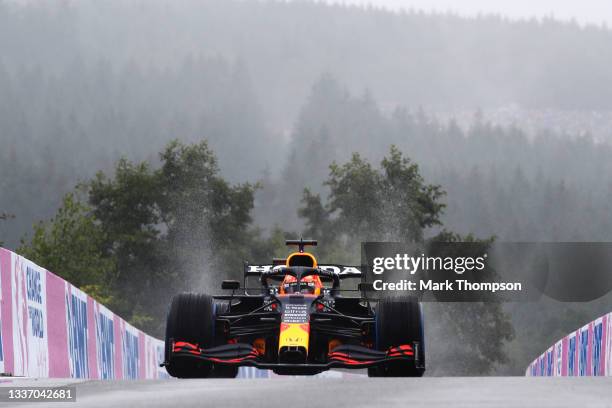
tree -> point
(126, 208)
(483, 325)
(389, 203)
(393, 203)
(200, 208)
(178, 227)
(70, 245)
(144, 234)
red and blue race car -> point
(297, 321)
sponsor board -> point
(29, 317)
(105, 342)
(130, 351)
(77, 332)
(50, 328)
(584, 352)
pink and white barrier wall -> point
(49, 328)
(584, 352)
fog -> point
(511, 117)
(585, 12)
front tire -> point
(190, 319)
(399, 320)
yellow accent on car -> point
(294, 335)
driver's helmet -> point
(311, 285)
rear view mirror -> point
(230, 284)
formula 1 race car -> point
(299, 322)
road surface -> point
(355, 392)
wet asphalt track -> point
(334, 392)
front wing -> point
(344, 356)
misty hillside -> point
(498, 181)
(85, 82)
(412, 58)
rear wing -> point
(343, 271)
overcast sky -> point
(585, 11)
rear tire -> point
(399, 320)
(190, 319)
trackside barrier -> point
(50, 328)
(584, 352)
